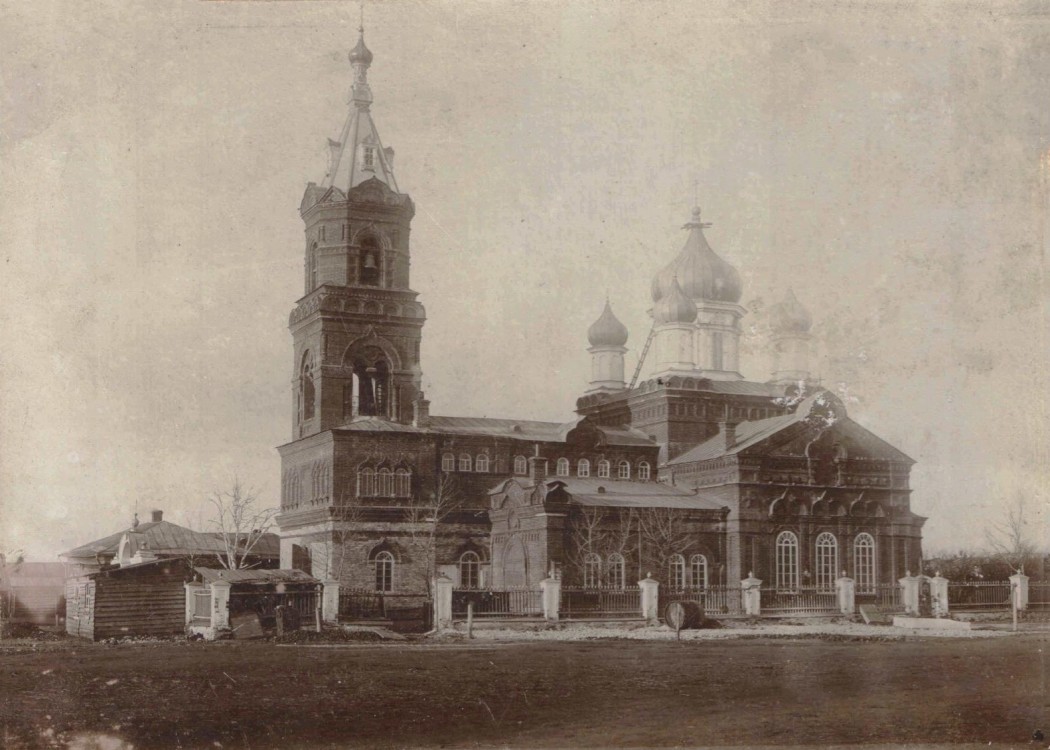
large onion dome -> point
(674, 307)
(607, 330)
(789, 316)
(701, 274)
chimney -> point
(729, 430)
(537, 469)
(158, 516)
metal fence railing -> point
(264, 604)
(979, 595)
(490, 603)
(361, 605)
(597, 602)
(1039, 595)
(804, 600)
(716, 601)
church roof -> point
(608, 493)
(700, 272)
(607, 330)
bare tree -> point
(589, 536)
(424, 522)
(241, 524)
(662, 532)
(1009, 540)
(14, 558)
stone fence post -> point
(220, 605)
(551, 588)
(751, 592)
(650, 598)
(1019, 590)
(330, 602)
(442, 602)
(847, 594)
(910, 594)
(939, 595)
(191, 600)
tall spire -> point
(359, 155)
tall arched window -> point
(864, 563)
(643, 470)
(616, 570)
(624, 470)
(371, 376)
(592, 570)
(384, 571)
(563, 467)
(676, 572)
(385, 483)
(787, 560)
(521, 466)
(369, 267)
(464, 462)
(481, 464)
(402, 483)
(827, 560)
(469, 570)
(366, 483)
(306, 389)
(448, 462)
(698, 568)
(603, 469)
(583, 468)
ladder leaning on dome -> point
(641, 358)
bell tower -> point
(357, 329)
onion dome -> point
(674, 307)
(701, 274)
(607, 330)
(789, 316)
(361, 53)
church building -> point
(695, 475)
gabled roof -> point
(166, 538)
(748, 435)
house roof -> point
(629, 494)
(252, 575)
(164, 537)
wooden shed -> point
(146, 599)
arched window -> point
(521, 466)
(312, 268)
(676, 572)
(698, 568)
(624, 470)
(481, 464)
(384, 572)
(366, 483)
(464, 462)
(371, 376)
(563, 467)
(469, 570)
(864, 563)
(370, 262)
(787, 560)
(827, 560)
(306, 389)
(402, 483)
(385, 483)
(643, 470)
(616, 570)
(448, 462)
(592, 570)
(603, 469)
(583, 468)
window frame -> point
(448, 462)
(469, 570)
(604, 469)
(481, 464)
(466, 462)
(623, 470)
(826, 557)
(521, 466)
(864, 569)
(563, 467)
(583, 468)
(644, 470)
(592, 570)
(676, 572)
(617, 567)
(787, 561)
(698, 562)
(384, 572)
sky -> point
(881, 160)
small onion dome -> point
(361, 53)
(674, 307)
(607, 330)
(701, 274)
(789, 316)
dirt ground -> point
(597, 693)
